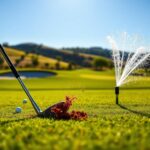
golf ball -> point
(24, 101)
(18, 110)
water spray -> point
(127, 57)
(117, 94)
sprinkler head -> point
(117, 94)
(117, 90)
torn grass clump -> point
(61, 110)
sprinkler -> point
(46, 113)
(126, 62)
(117, 94)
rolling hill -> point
(80, 58)
(22, 59)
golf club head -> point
(48, 112)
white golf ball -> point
(18, 110)
(24, 101)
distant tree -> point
(1, 61)
(57, 65)
(17, 61)
(35, 61)
(100, 63)
(26, 53)
(87, 62)
(70, 66)
(111, 64)
(5, 44)
(22, 57)
(74, 65)
(46, 65)
(146, 65)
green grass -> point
(108, 127)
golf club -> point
(47, 113)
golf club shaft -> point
(14, 71)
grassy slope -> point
(108, 126)
(16, 54)
(13, 54)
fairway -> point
(108, 126)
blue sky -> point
(69, 23)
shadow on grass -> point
(16, 120)
(134, 111)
